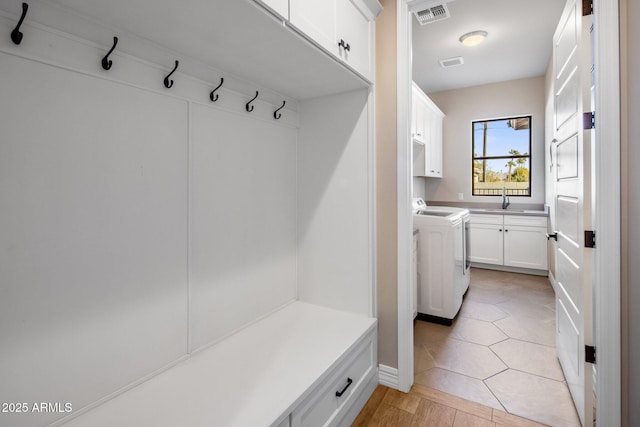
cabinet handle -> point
(344, 45)
(340, 393)
(506, 231)
(500, 230)
(552, 236)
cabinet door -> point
(422, 127)
(317, 20)
(525, 247)
(280, 7)
(354, 37)
(414, 113)
(433, 130)
(417, 115)
(436, 145)
(486, 243)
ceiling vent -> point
(451, 62)
(431, 14)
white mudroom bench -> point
(303, 365)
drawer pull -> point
(340, 393)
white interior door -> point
(572, 84)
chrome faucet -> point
(505, 199)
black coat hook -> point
(277, 115)
(168, 83)
(213, 95)
(250, 107)
(106, 62)
(16, 35)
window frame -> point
(506, 157)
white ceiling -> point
(519, 43)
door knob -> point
(553, 235)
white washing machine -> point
(420, 205)
(441, 259)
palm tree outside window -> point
(501, 157)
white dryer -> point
(441, 263)
(420, 205)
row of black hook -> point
(16, 37)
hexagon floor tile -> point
(527, 357)
(473, 360)
(500, 350)
(459, 385)
(537, 398)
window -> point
(501, 157)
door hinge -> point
(589, 354)
(587, 7)
(589, 239)
(589, 120)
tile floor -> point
(500, 350)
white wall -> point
(242, 230)
(419, 187)
(334, 200)
(462, 106)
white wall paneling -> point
(93, 192)
(334, 217)
(243, 220)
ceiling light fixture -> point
(473, 38)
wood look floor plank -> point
(406, 401)
(366, 414)
(433, 414)
(390, 416)
(467, 420)
(456, 402)
(504, 419)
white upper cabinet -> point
(317, 20)
(433, 127)
(426, 129)
(345, 28)
(418, 112)
(279, 7)
(355, 26)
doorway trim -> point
(606, 286)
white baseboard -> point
(510, 269)
(388, 376)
